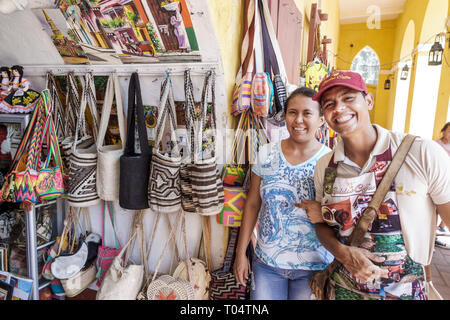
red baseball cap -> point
(349, 79)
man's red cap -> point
(349, 79)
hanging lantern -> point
(436, 52)
(405, 72)
(387, 84)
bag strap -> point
(110, 207)
(248, 42)
(208, 88)
(112, 88)
(87, 99)
(135, 108)
(171, 235)
(72, 106)
(206, 228)
(166, 111)
(258, 44)
(370, 212)
(274, 42)
(231, 247)
(189, 113)
(58, 112)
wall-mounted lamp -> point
(387, 84)
(436, 52)
(405, 72)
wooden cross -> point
(315, 19)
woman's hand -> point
(241, 269)
(313, 210)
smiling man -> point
(390, 262)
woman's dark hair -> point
(304, 91)
(20, 69)
(6, 69)
(445, 127)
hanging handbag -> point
(25, 181)
(241, 100)
(204, 177)
(135, 167)
(187, 200)
(50, 182)
(83, 161)
(123, 281)
(108, 162)
(164, 191)
(223, 283)
(106, 255)
(261, 92)
(319, 281)
(234, 176)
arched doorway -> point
(367, 64)
(427, 79)
(402, 86)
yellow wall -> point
(415, 10)
(228, 21)
(353, 38)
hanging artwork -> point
(55, 26)
(131, 31)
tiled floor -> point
(440, 271)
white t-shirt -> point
(286, 238)
(422, 182)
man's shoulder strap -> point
(371, 211)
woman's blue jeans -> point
(279, 284)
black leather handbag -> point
(135, 167)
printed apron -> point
(344, 201)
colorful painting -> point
(131, 31)
(55, 25)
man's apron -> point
(343, 203)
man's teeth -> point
(343, 119)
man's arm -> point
(443, 211)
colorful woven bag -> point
(49, 183)
(231, 214)
(242, 91)
(223, 283)
(25, 181)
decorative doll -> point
(21, 99)
(5, 86)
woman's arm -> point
(249, 218)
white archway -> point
(367, 64)
(402, 86)
(427, 79)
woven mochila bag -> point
(205, 178)
(164, 191)
(108, 162)
(83, 161)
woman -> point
(444, 141)
(287, 251)
(5, 83)
(22, 98)
(442, 229)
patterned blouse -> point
(286, 238)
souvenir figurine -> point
(5, 85)
(21, 99)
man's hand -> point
(313, 210)
(358, 262)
